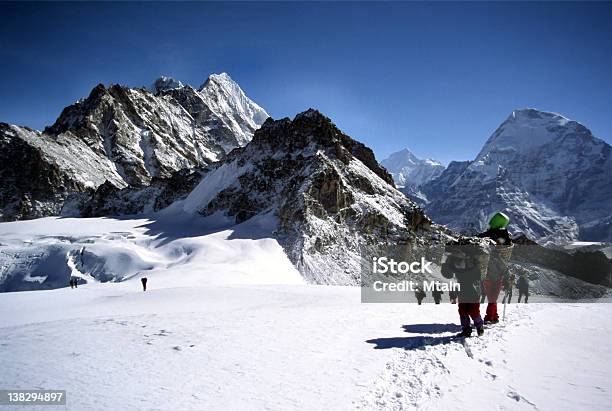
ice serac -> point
(127, 137)
(549, 173)
(330, 200)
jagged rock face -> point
(108, 200)
(164, 84)
(330, 200)
(128, 137)
(29, 185)
(548, 173)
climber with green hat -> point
(498, 266)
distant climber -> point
(437, 296)
(508, 286)
(523, 288)
(463, 263)
(76, 282)
(452, 295)
(420, 295)
(143, 280)
(498, 268)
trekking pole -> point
(505, 301)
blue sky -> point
(437, 78)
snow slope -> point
(281, 347)
(203, 250)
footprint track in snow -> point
(414, 377)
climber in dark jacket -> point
(466, 269)
(508, 285)
(523, 287)
(437, 296)
(497, 268)
(420, 295)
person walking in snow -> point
(437, 295)
(463, 264)
(71, 283)
(419, 294)
(523, 287)
(508, 286)
(76, 282)
(453, 296)
(498, 268)
(143, 280)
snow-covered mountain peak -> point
(409, 170)
(227, 100)
(549, 173)
(221, 78)
(527, 129)
(311, 132)
(126, 137)
(165, 83)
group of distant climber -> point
(480, 275)
(509, 283)
(74, 282)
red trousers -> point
(492, 289)
(467, 311)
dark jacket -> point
(523, 284)
(499, 235)
(468, 277)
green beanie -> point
(499, 220)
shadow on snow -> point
(419, 341)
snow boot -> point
(467, 332)
(480, 330)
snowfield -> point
(172, 249)
(111, 346)
(228, 323)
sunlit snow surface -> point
(187, 346)
(201, 250)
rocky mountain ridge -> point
(124, 136)
(329, 201)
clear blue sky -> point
(435, 77)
